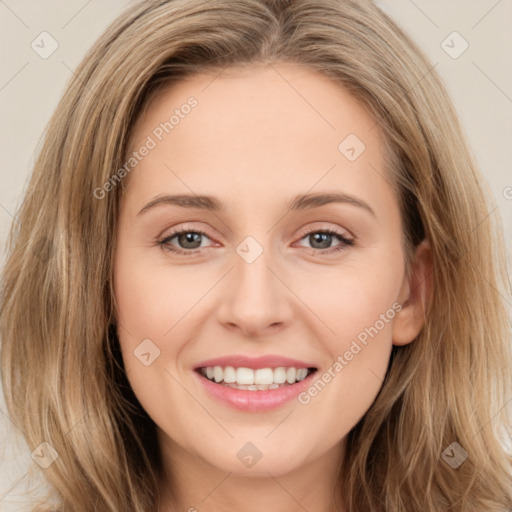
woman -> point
(255, 269)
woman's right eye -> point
(188, 240)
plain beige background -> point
(479, 81)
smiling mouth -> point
(261, 379)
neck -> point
(190, 484)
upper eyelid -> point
(183, 228)
(336, 230)
(187, 229)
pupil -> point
(323, 238)
(188, 238)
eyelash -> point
(164, 242)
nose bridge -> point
(256, 299)
(253, 280)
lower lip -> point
(254, 401)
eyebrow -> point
(300, 202)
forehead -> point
(255, 129)
(285, 99)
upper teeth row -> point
(260, 376)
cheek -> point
(151, 298)
(359, 305)
(361, 297)
(146, 310)
(150, 301)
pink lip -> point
(254, 401)
(269, 361)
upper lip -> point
(267, 361)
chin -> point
(246, 459)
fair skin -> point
(254, 143)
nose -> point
(257, 301)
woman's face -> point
(289, 258)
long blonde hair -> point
(62, 372)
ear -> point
(415, 295)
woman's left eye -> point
(190, 240)
(321, 239)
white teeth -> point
(260, 379)
(229, 375)
(291, 374)
(280, 375)
(244, 376)
(264, 376)
(301, 374)
(218, 373)
(254, 387)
